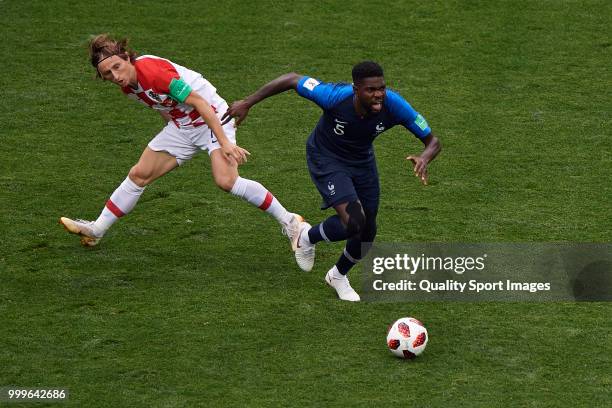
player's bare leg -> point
(226, 177)
(151, 166)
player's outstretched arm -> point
(240, 109)
(208, 114)
(432, 148)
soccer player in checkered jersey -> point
(192, 108)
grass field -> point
(194, 298)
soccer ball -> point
(407, 338)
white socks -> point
(121, 202)
(304, 238)
(336, 274)
(259, 196)
(125, 197)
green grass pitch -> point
(194, 298)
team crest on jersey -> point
(153, 95)
(331, 188)
(379, 129)
(161, 99)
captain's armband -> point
(179, 90)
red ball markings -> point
(393, 344)
(404, 329)
(419, 340)
(413, 320)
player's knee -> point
(140, 176)
(356, 218)
(225, 181)
(369, 231)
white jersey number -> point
(339, 129)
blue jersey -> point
(342, 133)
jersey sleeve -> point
(407, 116)
(168, 81)
(326, 95)
(162, 73)
(165, 79)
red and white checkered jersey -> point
(154, 75)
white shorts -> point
(186, 143)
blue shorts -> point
(339, 182)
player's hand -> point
(420, 168)
(235, 152)
(237, 110)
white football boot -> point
(342, 286)
(293, 228)
(303, 250)
(82, 228)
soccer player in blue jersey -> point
(341, 158)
